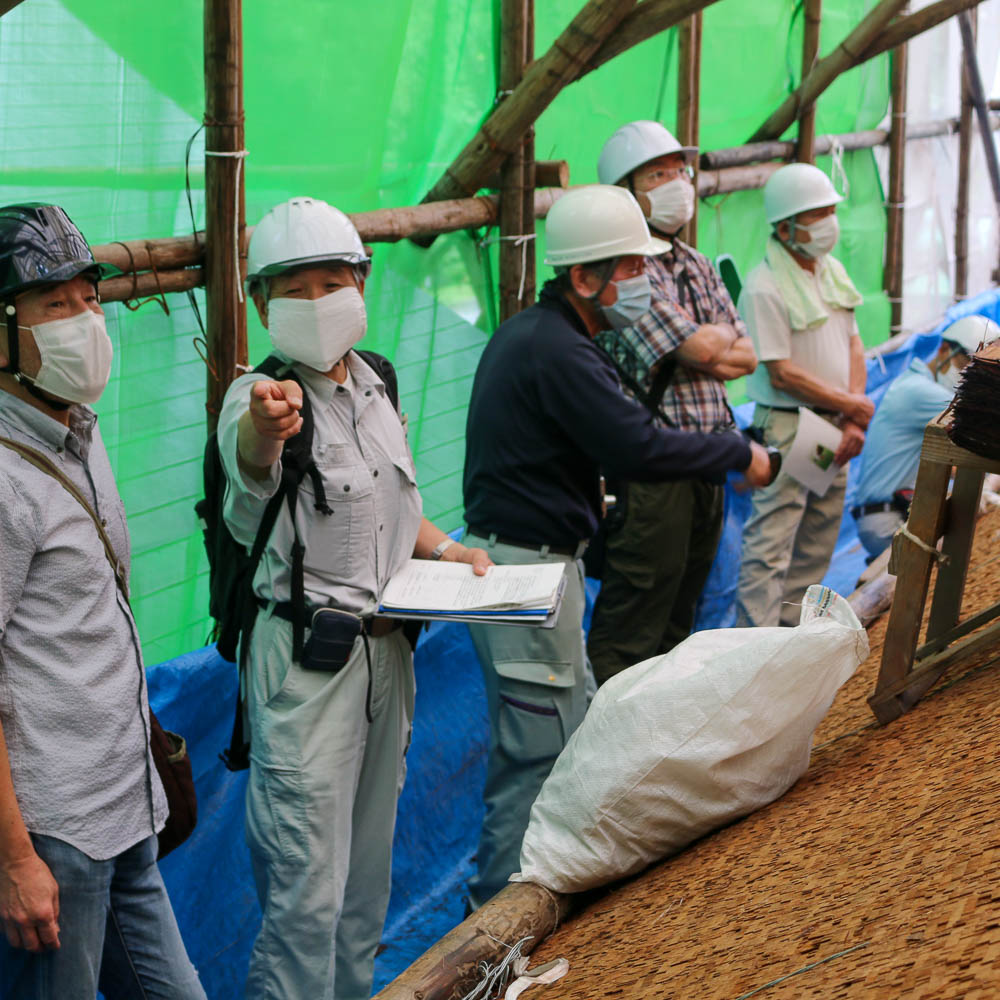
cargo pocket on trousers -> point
(278, 827)
(530, 730)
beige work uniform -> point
(789, 539)
(323, 786)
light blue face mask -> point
(634, 298)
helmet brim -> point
(66, 271)
(281, 266)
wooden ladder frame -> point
(907, 672)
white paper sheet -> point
(810, 458)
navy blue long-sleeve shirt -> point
(547, 416)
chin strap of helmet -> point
(13, 366)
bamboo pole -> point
(548, 173)
(688, 99)
(749, 177)
(450, 968)
(512, 224)
(531, 170)
(125, 289)
(649, 18)
(812, 15)
(842, 58)
(907, 27)
(7, 5)
(503, 131)
(225, 208)
(978, 96)
(962, 194)
(893, 275)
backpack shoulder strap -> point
(383, 367)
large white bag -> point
(683, 743)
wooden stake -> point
(225, 207)
(503, 131)
(812, 14)
(531, 173)
(962, 195)
(893, 276)
(842, 58)
(512, 224)
(688, 99)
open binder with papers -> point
(528, 594)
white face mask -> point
(671, 205)
(634, 298)
(318, 332)
(949, 379)
(823, 236)
(76, 357)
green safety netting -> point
(365, 107)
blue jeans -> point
(117, 932)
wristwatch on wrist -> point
(442, 547)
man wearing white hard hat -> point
(895, 435)
(799, 308)
(546, 416)
(328, 688)
(675, 360)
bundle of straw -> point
(975, 410)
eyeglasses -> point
(661, 175)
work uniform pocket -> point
(277, 826)
(530, 729)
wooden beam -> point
(7, 5)
(812, 14)
(962, 194)
(907, 27)
(688, 101)
(513, 27)
(225, 207)
(648, 19)
(548, 173)
(893, 274)
(842, 58)
(503, 131)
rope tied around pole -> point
(239, 155)
(941, 558)
(518, 241)
(132, 301)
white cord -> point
(239, 155)
(518, 241)
(837, 165)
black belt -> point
(375, 627)
(561, 550)
(875, 508)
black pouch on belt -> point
(331, 640)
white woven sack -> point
(683, 743)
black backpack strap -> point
(383, 367)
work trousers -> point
(655, 567)
(876, 530)
(117, 932)
(320, 811)
(790, 536)
(538, 687)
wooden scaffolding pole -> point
(843, 57)
(805, 151)
(688, 101)
(503, 131)
(977, 94)
(893, 277)
(962, 194)
(513, 225)
(225, 207)
(903, 29)
(6, 5)
(530, 170)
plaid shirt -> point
(687, 292)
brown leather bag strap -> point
(46, 465)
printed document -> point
(810, 458)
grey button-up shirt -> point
(72, 686)
(361, 452)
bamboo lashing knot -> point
(224, 123)
(132, 301)
(941, 558)
(518, 241)
(239, 155)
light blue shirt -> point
(892, 446)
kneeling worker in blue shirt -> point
(546, 417)
(892, 451)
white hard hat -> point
(302, 231)
(797, 187)
(597, 222)
(971, 331)
(635, 144)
